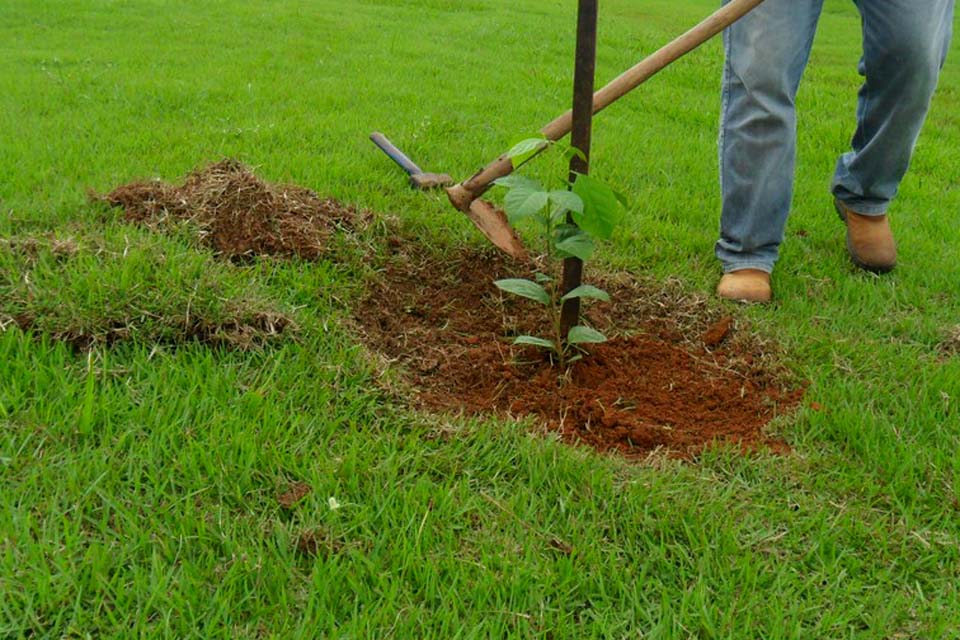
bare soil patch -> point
(238, 214)
(677, 374)
(950, 345)
(294, 494)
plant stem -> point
(558, 334)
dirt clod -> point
(718, 332)
(297, 492)
(238, 214)
(652, 386)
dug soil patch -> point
(238, 214)
(677, 375)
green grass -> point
(129, 285)
(140, 481)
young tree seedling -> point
(595, 210)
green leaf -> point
(622, 199)
(579, 245)
(536, 342)
(523, 202)
(558, 215)
(515, 180)
(566, 230)
(542, 278)
(567, 200)
(524, 289)
(587, 291)
(526, 149)
(584, 335)
(571, 152)
(601, 209)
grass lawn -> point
(139, 482)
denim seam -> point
(724, 103)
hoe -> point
(492, 222)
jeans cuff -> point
(865, 209)
(729, 267)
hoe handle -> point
(461, 195)
(395, 154)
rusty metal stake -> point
(583, 80)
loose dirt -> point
(677, 374)
(238, 214)
(294, 494)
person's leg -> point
(905, 43)
(766, 53)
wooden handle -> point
(613, 91)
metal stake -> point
(583, 80)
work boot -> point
(745, 285)
(869, 240)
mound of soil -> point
(676, 374)
(238, 214)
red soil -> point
(679, 377)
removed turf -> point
(238, 214)
(99, 291)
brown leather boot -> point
(745, 285)
(869, 240)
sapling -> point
(595, 209)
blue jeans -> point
(904, 45)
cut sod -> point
(238, 214)
(123, 286)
